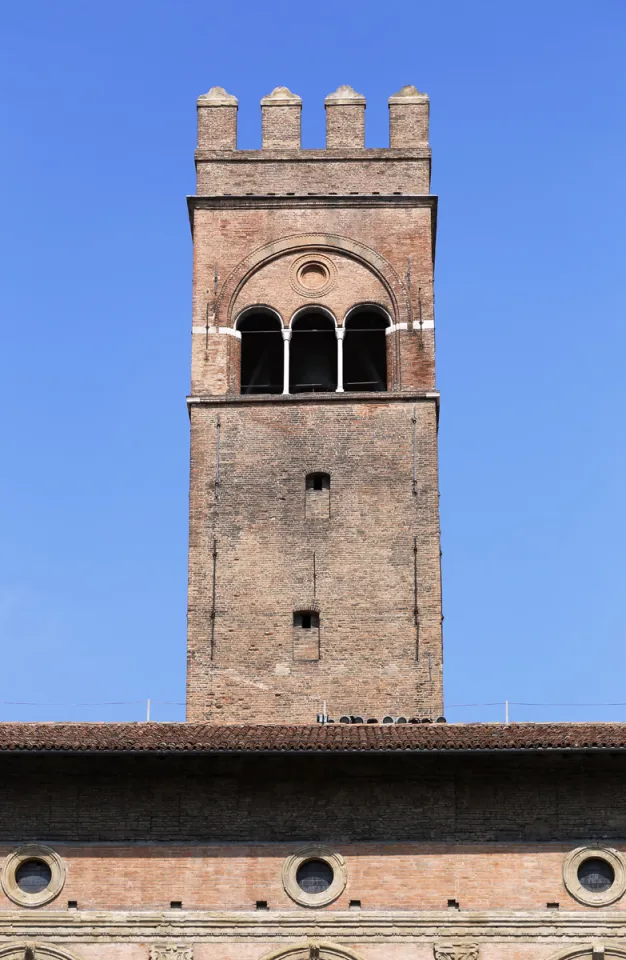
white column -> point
(339, 333)
(286, 338)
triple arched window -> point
(314, 355)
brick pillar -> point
(217, 120)
(280, 112)
(345, 119)
(408, 118)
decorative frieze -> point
(456, 951)
(171, 951)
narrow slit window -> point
(318, 481)
(317, 505)
(306, 619)
(306, 635)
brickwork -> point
(174, 841)
(304, 798)
(253, 550)
(178, 852)
(400, 876)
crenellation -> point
(344, 167)
(408, 118)
(217, 120)
(345, 119)
(280, 113)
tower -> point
(314, 558)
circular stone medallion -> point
(313, 275)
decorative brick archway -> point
(329, 243)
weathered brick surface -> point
(398, 876)
(372, 661)
(252, 546)
(303, 798)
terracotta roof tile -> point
(258, 738)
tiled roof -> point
(313, 738)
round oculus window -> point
(33, 876)
(596, 875)
(314, 876)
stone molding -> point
(456, 951)
(597, 951)
(171, 951)
(389, 396)
(313, 243)
(17, 950)
(573, 886)
(314, 852)
(281, 96)
(567, 932)
(409, 94)
(313, 950)
(217, 97)
(344, 96)
(299, 265)
(32, 851)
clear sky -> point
(529, 141)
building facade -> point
(314, 525)
(315, 805)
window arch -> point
(261, 351)
(314, 950)
(365, 349)
(313, 363)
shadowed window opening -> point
(33, 876)
(306, 619)
(313, 364)
(314, 876)
(261, 353)
(365, 351)
(318, 481)
(596, 875)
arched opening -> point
(365, 350)
(313, 364)
(261, 352)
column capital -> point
(340, 332)
(286, 333)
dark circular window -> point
(596, 875)
(314, 876)
(33, 876)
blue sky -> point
(529, 140)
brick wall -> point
(303, 798)
(368, 215)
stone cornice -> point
(299, 201)
(227, 400)
(355, 925)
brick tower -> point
(314, 572)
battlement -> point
(345, 120)
(343, 166)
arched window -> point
(261, 352)
(313, 364)
(365, 350)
